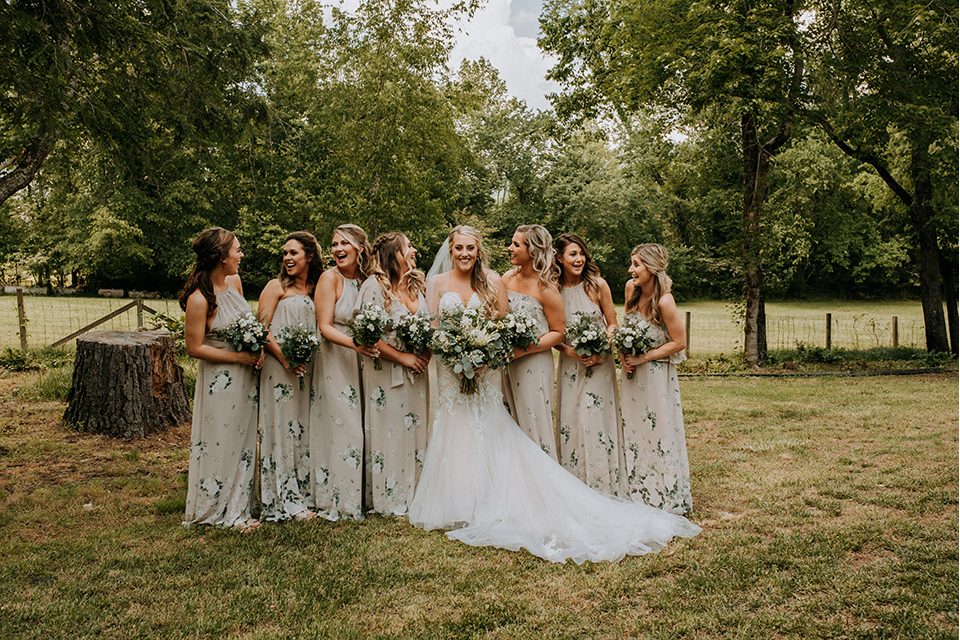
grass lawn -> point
(829, 509)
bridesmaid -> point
(532, 289)
(223, 440)
(655, 449)
(395, 398)
(336, 420)
(588, 408)
(287, 301)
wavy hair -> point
(211, 246)
(315, 265)
(358, 238)
(590, 276)
(390, 272)
(540, 246)
(655, 258)
(480, 276)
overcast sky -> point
(505, 33)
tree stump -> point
(126, 384)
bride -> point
(488, 483)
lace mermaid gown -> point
(485, 479)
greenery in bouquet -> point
(414, 332)
(466, 340)
(518, 330)
(298, 343)
(587, 336)
(633, 337)
(370, 322)
(245, 333)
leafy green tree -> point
(885, 77)
(730, 64)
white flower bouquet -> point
(298, 343)
(369, 323)
(634, 337)
(518, 330)
(466, 340)
(245, 333)
(587, 336)
(414, 332)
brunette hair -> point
(358, 238)
(315, 261)
(211, 246)
(655, 258)
(590, 276)
(480, 277)
(540, 246)
(390, 273)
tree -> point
(725, 64)
(885, 76)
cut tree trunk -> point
(126, 384)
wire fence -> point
(52, 318)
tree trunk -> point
(756, 166)
(126, 384)
(948, 273)
(922, 215)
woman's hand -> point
(416, 364)
(635, 361)
(590, 361)
(625, 363)
(298, 370)
(369, 350)
(249, 358)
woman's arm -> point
(269, 299)
(556, 322)
(195, 329)
(675, 330)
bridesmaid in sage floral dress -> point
(588, 407)
(287, 301)
(395, 397)
(656, 468)
(223, 440)
(336, 419)
(528, 384)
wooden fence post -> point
(687, 327)
(139, 313)
(22, 313)
(829, 328)
(896, 332)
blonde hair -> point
(388, 270)
(357, 237)
(540, 246)
(590, 276)
(480, 277)
(655, 258)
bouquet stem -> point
(377, 364)
(468, 385)
(589, 372)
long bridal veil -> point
(442, 262)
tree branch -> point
(27, 164)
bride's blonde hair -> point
(480, 276)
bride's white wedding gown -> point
(488, 482)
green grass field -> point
(828, 511)
(714, 326)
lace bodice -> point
(450, 301)
(488, 380)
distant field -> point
(714, 326)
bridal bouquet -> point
(245, 333)
(518, 330)
(298, 343)
(634, 337)
(414, 332)
(368, 326)
(588, 337)
(466, 340)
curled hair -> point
(357, 237)
(480, 276)
(590, 276)
(540, 247)
(390, 272)
(655, 258)
(212, 246)
(314, 265)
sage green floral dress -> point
(223, 440)
(656, 469)
(395, 416)
(336, 420)
(528, 383)
(285, 422)
(588, 409)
